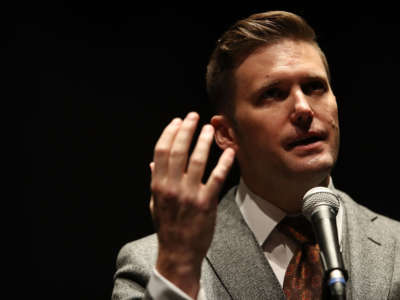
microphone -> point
(320, 207)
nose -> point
(302, 114)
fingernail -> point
(233, 152)
(208, 128)
(192, 116)
(176, 121)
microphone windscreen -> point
(318, 196)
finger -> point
(151, 205)
(151, 165)
(153, 214)
(180, 148)
(163, 148)
(219, 174)
(199, 157)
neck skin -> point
(287, 195)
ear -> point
(225, 135)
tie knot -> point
(297, 228)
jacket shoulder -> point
(136, 260)
(365, 215)
(141, 252)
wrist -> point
(183, 273)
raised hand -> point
(184, 208)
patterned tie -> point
(303, 277)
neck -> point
(287, 196)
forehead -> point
(284, 59)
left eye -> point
(274, 93)
(313, 87)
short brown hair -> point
(243, 38)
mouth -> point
(305, 140)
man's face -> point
(286, 115)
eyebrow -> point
(317, 77)
(276, 82)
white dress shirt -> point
(262, 217)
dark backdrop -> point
(103, 79)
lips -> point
(304, 140)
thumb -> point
(151, 165)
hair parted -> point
(240, 40)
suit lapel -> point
(237, 259)
(368, 252)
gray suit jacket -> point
(236, 268)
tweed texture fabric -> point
(236, 268)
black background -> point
(104, 78)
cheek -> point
(261, 129)
(257, 135)
(329, 117)
(334, 118)
(329, 113)
(333, 125)
(334, 111)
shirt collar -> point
(262, 216)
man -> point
(277, 114)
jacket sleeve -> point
(136, 277)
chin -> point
(317, 168)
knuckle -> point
(161, 150)
(170, 193)
(203, 204)
(164, 195)
(188, 198)
(175, 153)
(197, 160)
(155, 187)
(218, 176)
(208, 203)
